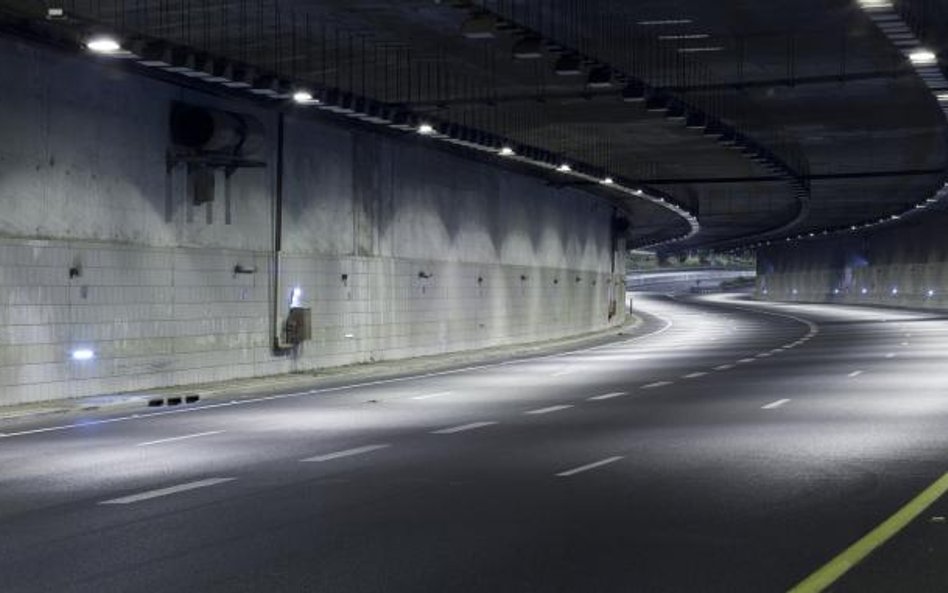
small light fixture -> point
(922, 57)
(426, 129)
(302, 97)
(507, 151)
(930, 293)
(564, 168)
(942, 96)
(296, 297)
(895, 290)
(83, 354)
(864, 290)
(104, 44)
(875, 4)
(608, 181)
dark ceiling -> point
(816, 84)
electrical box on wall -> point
(298, 325)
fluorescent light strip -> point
(660, 22)
(695, 50)
(686, 36)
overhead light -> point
(426, 129)
(660, 22)
(480, 26)
(304, 98)
(528, 48)
(568, 65)
(104, 44)
(686, 36)
(608, 181)
(942, 96)
(296, 297)
(507, 151)
(930, 293)
(564, 168)
(922, 57)
(875, 4)
(83, 354)
(703, 49)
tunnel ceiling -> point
(815, 84)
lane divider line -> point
(724, 367)
(890, 355)
(463, 427)
(181, 438)
(432, 395)
(831, 572)
(549, 409)
(588, 466)
(656, 384)
(854, 374)
(605, 396)
(745, 360)
(562, 373)
(695, 375)
(345, 453)
(150, 494)
(775, 404)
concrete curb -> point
(234, 389)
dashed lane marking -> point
(854, 374)
(588, 466)
(463, 427)
(776, 404)
(695, 375)
(656, 384)
(432, 395)
(180, 438)
(724, 367)
(606, 396)
(549, 409)
(150, 494)
(345, 453)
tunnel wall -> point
(904, 265)
(399, 249)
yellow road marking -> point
(856, 553)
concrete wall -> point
(399, 249)
(904, 265)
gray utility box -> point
(299, 325)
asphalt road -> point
(733, 446)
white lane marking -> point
(745, 360)
(854, 374)
(432, 395)
(561, 373)
(890, 355)
(905, 343)
(462, 427)
(549, 409)
(181, 438)
(656, 384)
(695, 375)
(589, 466)
(724, 367)
(346, 453)
(167, 491)
(292, 395)
(605, 396)
(775, 404)
(764, 355)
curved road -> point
(732, 446)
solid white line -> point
(605, 396)
(462, 427)
(167, 491)
(432, 395)
(588, 466)
(656, 384)
(292, 395)
(724, 367)
(775, 404)
(346, 453)
(549, 409)
(181, 438)
(855, 374)
(695, 375)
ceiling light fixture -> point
(608, 181)
(686, 36)
(426, 129)
(507, 151)
(660, 22)
(103, 44)
(922, 57)
(697, 50)
(302, 97)
(564, 168)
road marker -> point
(181, 438)
(656, 384)
(724, 367)
(432, 395)
(854, 374)
(462, 427)
(549, 409)
(775, 404)
(345, 453)
(588, 466)
(856, 553)
(167, 491)
(695, 375)
(604, 396)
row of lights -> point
(894, 291)
(372, 112)
(925, 61)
